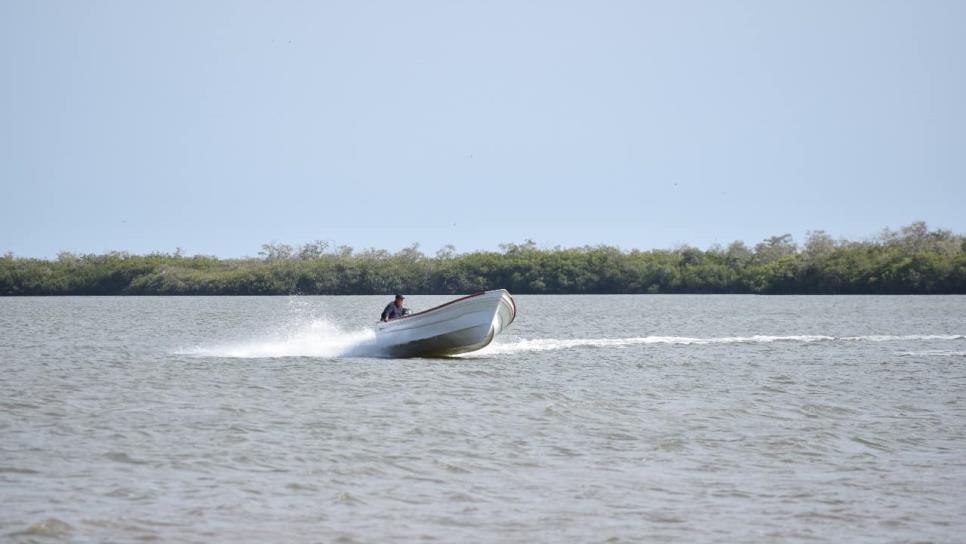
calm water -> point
(594, 419)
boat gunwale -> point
(454, 301)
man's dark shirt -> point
(392, 311)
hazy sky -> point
(218, 126)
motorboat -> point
(459, 326)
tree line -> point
(911, 260)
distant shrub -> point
(913, 259)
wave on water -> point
(933, 353)
(316, 338)
(548, 344)
(321, 338)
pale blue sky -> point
(218, 126)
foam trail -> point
(322, 339)
(932, 353)
(549, 344)
(317, 338)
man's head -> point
(399, 300)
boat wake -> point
(549, 344)
(320, 338)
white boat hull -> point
(460, 326)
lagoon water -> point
(594, 419)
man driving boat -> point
(394, 309)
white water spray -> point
(316, 338)
(549, 344)
(320, 338)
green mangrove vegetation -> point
(912, 260)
